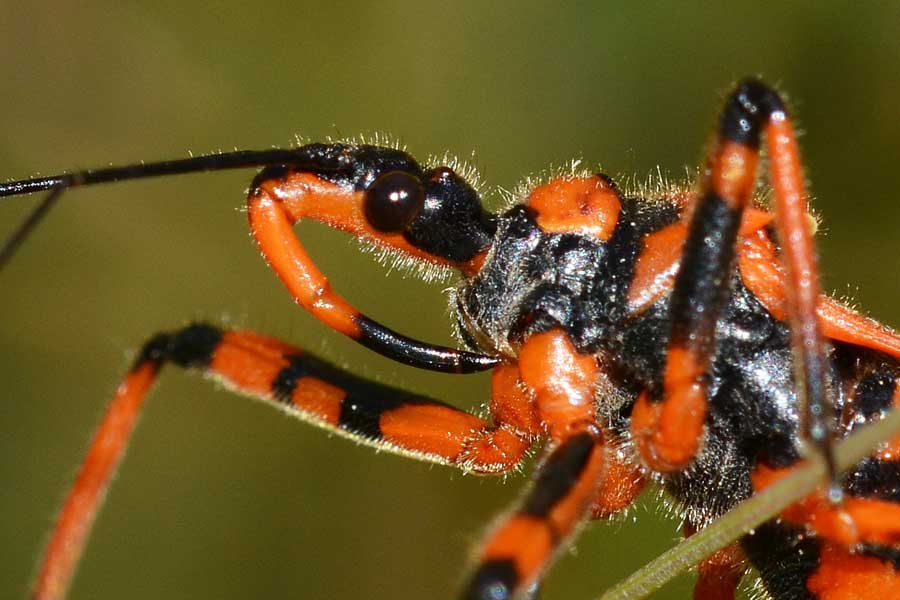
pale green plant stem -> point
(752, 512)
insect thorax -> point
(533, 281)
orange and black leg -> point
(667, 423)
(796, 565)
(852, 548)
(566, 485)
(302, 385)
(518, 550)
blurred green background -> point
(224, 498)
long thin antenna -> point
(19, 235)
(57, 184)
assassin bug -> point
(680, 339)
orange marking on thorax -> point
(656, 267)
(845, 576)
(583, 205)
(562, 380)
(660, 259)
(763, 274)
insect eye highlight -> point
(393, 201)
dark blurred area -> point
(224, 498)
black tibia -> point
(747, 110)
(558, 475)
(702, 284)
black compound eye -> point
(393, 201)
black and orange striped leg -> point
(516, 552)
(870, 510)
(667, 423)
(302, 385)
(853, 553)
(521, 547)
